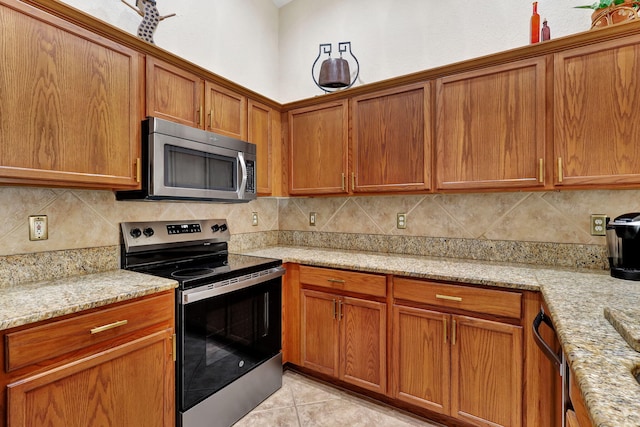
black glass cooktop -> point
(196, 272)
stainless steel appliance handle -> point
(243, 167)
(219, 288)
(546, 349)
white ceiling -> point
(280, 3)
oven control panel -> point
(183, 228)
(150, 234)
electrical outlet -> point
(401, 220)
(598, 225)
(38, 229)
(312, 219)
(254, 218)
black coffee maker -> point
(623, 244)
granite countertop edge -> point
(598, 355)
(27, 303)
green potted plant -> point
(609, 12)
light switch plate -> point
(38, 229)
(312, 219)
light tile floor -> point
(304, 402)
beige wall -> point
(271, 50)
(82, 219)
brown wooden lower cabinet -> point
(459, 366)
(579, 416)
(345, 338)
(121, 374)
(459, 354)
(123, 386)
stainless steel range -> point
(228, 316)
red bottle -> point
(535, 24)
(545, 33)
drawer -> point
(488, 301)
(56, 338)
(349, 281)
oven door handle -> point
(192, 295)
(546, 348)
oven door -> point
(224, 336)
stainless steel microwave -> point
(187, 164)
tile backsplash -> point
(86, 219)
(493, 222)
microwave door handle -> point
(243, 167)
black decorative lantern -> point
(335, 73)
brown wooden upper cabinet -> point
(70, 111)
(490, 127)
(391, 140)
(174, 93)
(226, 111)
(597, 99)
(178, 95)
(261, 120)
(318, 151)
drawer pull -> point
(109, 326)
(448, 298)
(335, 280)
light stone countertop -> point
(599, 356)
(601, 359)
(26, 303)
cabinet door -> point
(597, 99)
(490, 127)
(129, 385)
(318, 138)
(486, 372)
(421, 358)
(70, 111)
(260, 132)
(174, 94)
(363, 343)
(320, 332)
(391, 140)
(226, 111)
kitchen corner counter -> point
(600, 358)
(25, 303)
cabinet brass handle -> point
(343, 182)
(453, 332)
(340, 310)
(335, 280)
(353, 181)
(109, 326)
(334, 308)
(175, 347)
(448, 297)
(444, 329)
(199, 115)
(541, 171)
(560, 177)
(138, 169)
